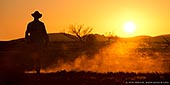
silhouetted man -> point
(37, 38)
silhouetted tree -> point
(79, 31)
(111, 36)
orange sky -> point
(152, 17)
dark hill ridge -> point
(54, 37)
(165, 35)
(63, 37)
(160, 38)
(68, 37)
(136, 38)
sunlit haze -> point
(151, 17)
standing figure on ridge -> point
(37, 38)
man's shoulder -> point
(35, 22)
(30, 22)
(41, 22)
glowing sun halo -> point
(129, 27)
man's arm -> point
(45, 35)
(27, 33)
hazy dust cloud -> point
(117, 57)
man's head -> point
(37, 15)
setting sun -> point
(129, 27)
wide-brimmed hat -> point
(36, 14)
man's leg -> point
(36, 57)
(38, 65)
